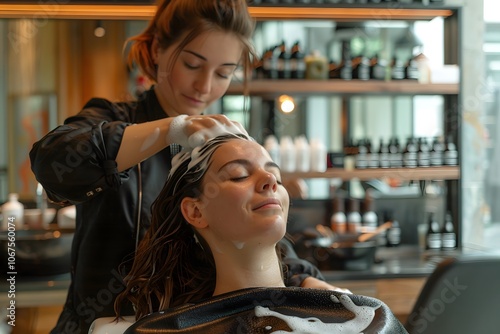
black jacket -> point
(75, 163)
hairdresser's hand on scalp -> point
(314, 283)
(192, 131)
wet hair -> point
(176, 19)
(173, 265)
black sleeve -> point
(76, 160)
(297, 269)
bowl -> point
(42, 252)
(32, 218)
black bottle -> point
(437, 151)
(410, 153)
(433, 237)
(378, 68)
(372, 158)
(397, 69)
(395, 153)
(383, 155)
(361, 156)
(423, 153)
(297, 63)
(361, 68)
(450, 154)
(411, 70)
(394, 232)
(269, 64)
(448, 235)
(283, 64)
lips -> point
(268, 203)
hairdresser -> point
(112, 158)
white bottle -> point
(287, 154)
(318, 156)
(272, 146)
(303, 154)
(13, 213)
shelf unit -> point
(270, 89)
(420, 173)
(276, 87)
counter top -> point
(397, 262)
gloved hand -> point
(193, 131)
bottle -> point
(371, 155)
(369, 218)
(383, 155)
(437, 151)
(448, 235)
(424, 153)
(397, 69)
(353, 217)
(316, 66)
(361, 68)
(287, 154)
(378, 68)
(395, 155)
(283, 62)
(272, 146)
(410, 153)
(303, 154)
(450, 154)
(318, 155)
(268, 65)
(394, 232)
(13, 213)
(361, 158)
(433, 237)
(297, 62)
(412, 70)
(338, 220)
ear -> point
(155, 50)
(190, 208)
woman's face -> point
(200, 75)
(243, 200)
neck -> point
(241, 269)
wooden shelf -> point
(107, 10)
(420, 173)
(338, 86)
(375, 13)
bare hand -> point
(314, 283)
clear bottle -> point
(338, 219)
(272, 146)
(13, 213)
(303, 154)
(433, 237)
(448, 235)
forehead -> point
(217, 46)
(238, 149)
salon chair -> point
(462, 295)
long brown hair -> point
(177, 18)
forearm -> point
(140, 141)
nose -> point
(269, 182)
(203, 83)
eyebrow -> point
(246, 163)
(205, 59)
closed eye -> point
(239, 178)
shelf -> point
(375, 13)
(40, 10)
(338, 86)
(421, 173)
